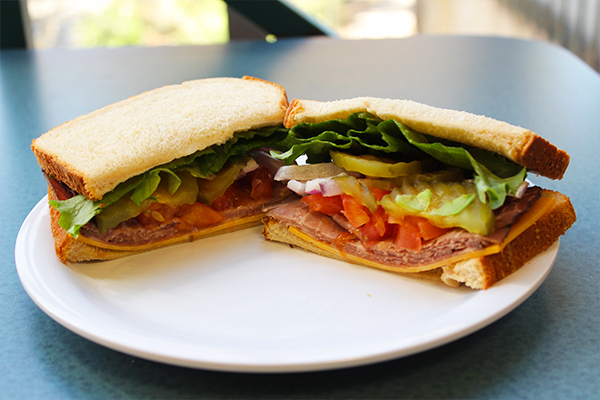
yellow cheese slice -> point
(184, 237)
(537, 210)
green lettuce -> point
(78, 210)
(490, 187)
(75, 212)
(362, 133)
(415, 202)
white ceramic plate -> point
(238, 303)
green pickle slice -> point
(125, 208)
(351, 186)
(186, 193)
(370, 165)
(445, 204)
(210, 190)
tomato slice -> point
(409, 231)
(357, 214)
(428, 230)
(199, 215)
(236, 195)
(379, 193)
(262, 184)
(377, 228)
(327, 205)
(409, 235)
(226, 200)
(156, 214)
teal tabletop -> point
(546, 347)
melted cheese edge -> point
(537, 210)
(232, 225)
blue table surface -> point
(546, 348)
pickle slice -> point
(186, 193)
(449, 175)
(210, 190)
(450, 205)
(374, 166)
(125, 208)
(119, 211)
(351, 186)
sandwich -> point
(170, 165)
(417, 190)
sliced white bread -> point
(93, 153)
(517, 144)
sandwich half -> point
(170, 165)
(417, 190)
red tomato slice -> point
(357, 214)
(262, 185)
(428, 230)
(156, 214)
(327, 205)
(377, 228)
(227, 200)
(199, 215)
(379, 193)
(236, 195)
(409, 235)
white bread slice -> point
(518, 144)
(93, 153)
(476, 273)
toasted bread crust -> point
(518, 144)
(483, 272)
(93, 153)
(541, 156)
(478, 273)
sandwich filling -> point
(382, 192)
(224, 185)
(401, 246)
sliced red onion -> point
(297, 187)
(265, 160)
(329, 188)
(313, 187)
(325, 186)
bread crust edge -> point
(284, 98)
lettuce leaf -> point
(415, 203)
(75, 212)
(150, 182)
(78, 211)
(490, 187)
(359, 133)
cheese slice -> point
(537, 210)
(232, 224)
